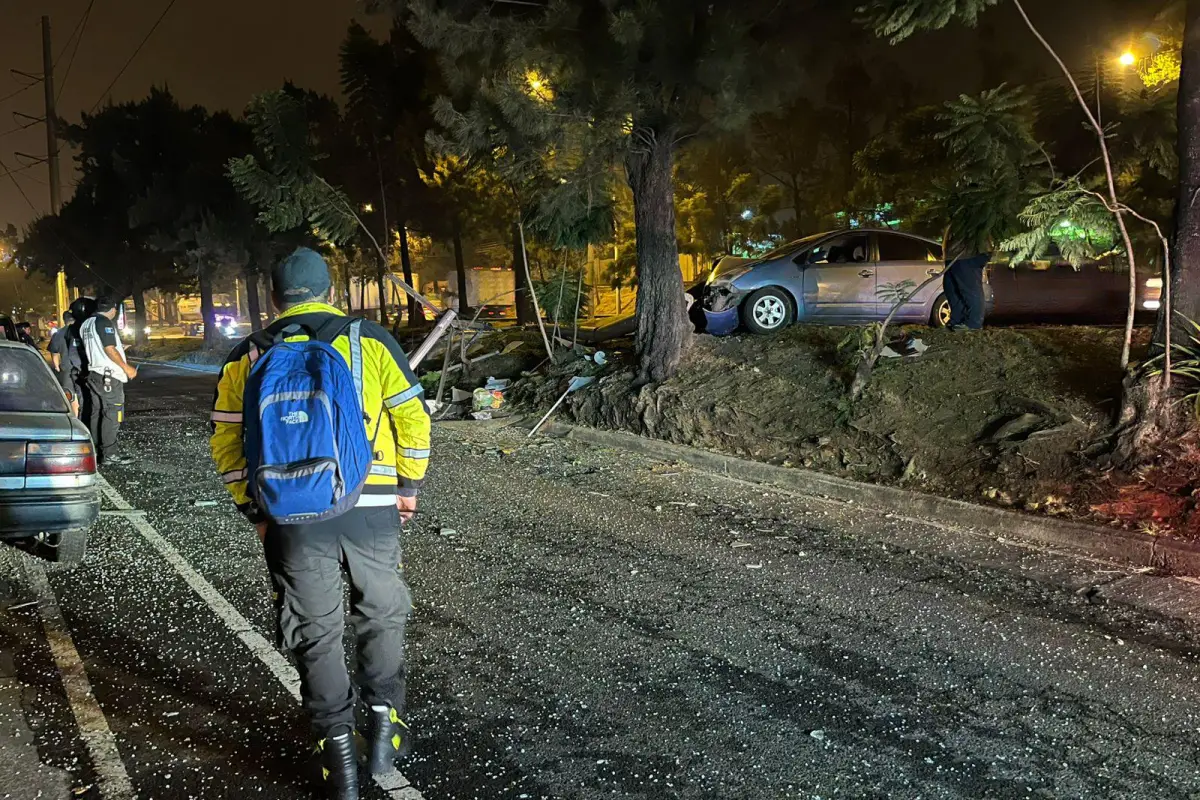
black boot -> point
(389, 739)
(339, 765)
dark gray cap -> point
(301, 275)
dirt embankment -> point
(1005, 416)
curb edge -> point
(1174, 557)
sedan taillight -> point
(59, 458)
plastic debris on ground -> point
(908, 347)
(481, 415)
(484, 399)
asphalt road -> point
(591, 624)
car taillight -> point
(59, 458)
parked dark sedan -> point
(833, 278)
(48, 491)
(1052, 291)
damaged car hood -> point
(731, 267)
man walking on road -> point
(107, 374)
(276, 423)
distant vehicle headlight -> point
(1151, 305)
(146, 330)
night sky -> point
(214, 52)
(221, 52)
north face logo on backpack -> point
(306, 444)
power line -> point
(12, 176)
(17, 129)
(142, 44)
(8, 97)
(80, 29)
(28, 86)
(19, 170)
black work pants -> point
(306, 564)
(963, 285)
(105, 413)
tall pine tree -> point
(591, 83)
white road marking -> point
(393, 783)
(93, 727)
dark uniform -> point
(963, 285)
(106, 393)
(65, 345)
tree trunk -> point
(253, 305)
(662, 323)
(523, 291)
(1185, 280)
(349, 288)
(381, 281)
(460, 267)
(1151, 413)
(139, 316)
(798, 205)
(414, 308)
(208, 311)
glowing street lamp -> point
(1127, 59)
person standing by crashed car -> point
(962, 282)
(107, 374)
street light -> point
(1127, 59)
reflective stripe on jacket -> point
(392, 399)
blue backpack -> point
(305, 442)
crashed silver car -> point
(840, 277)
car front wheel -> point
(768, 311)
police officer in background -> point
(65, 358)
(81, 308)
(107, 374)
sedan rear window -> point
(26, 383)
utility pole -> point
(60, 284)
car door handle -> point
(867, 273)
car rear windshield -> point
(26, 383)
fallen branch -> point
(862, 375)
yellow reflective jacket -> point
(389, 387)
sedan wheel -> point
(767, 311)
(940, 318)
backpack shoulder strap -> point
(334, 327)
